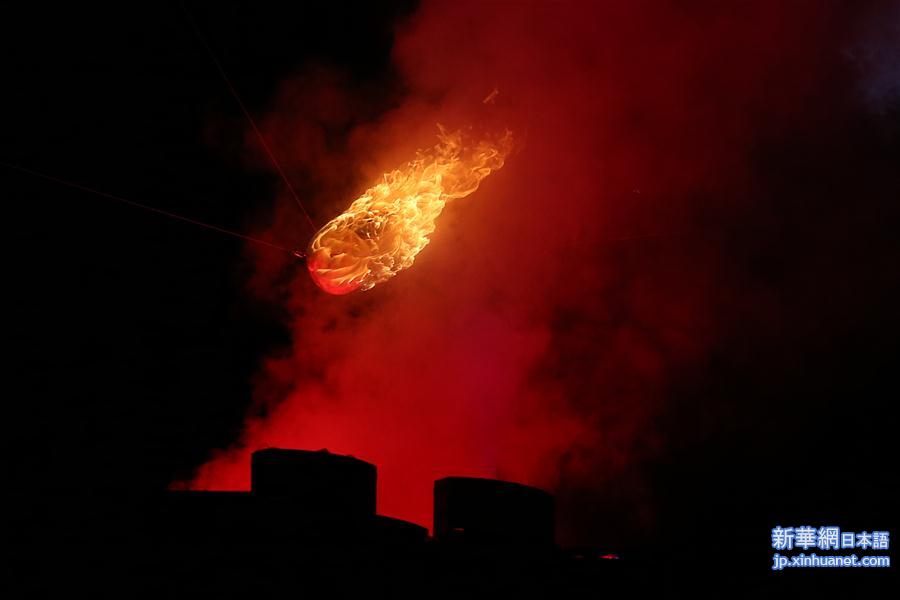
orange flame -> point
(389, 224)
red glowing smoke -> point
(530, 341)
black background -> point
(136, 342)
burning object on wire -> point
(383, 230)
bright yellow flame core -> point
(385, 228)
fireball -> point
(383, 230)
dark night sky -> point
(134, 344)
(135, 341)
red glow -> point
(523, 345)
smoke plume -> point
(542, 334)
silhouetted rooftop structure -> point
(316, 482)
(491, 511)
(309, 523)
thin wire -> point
(160, 211)
(250, 119)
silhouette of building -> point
(315, 482)
(308, 528)
(489, 511)
(297, 496)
